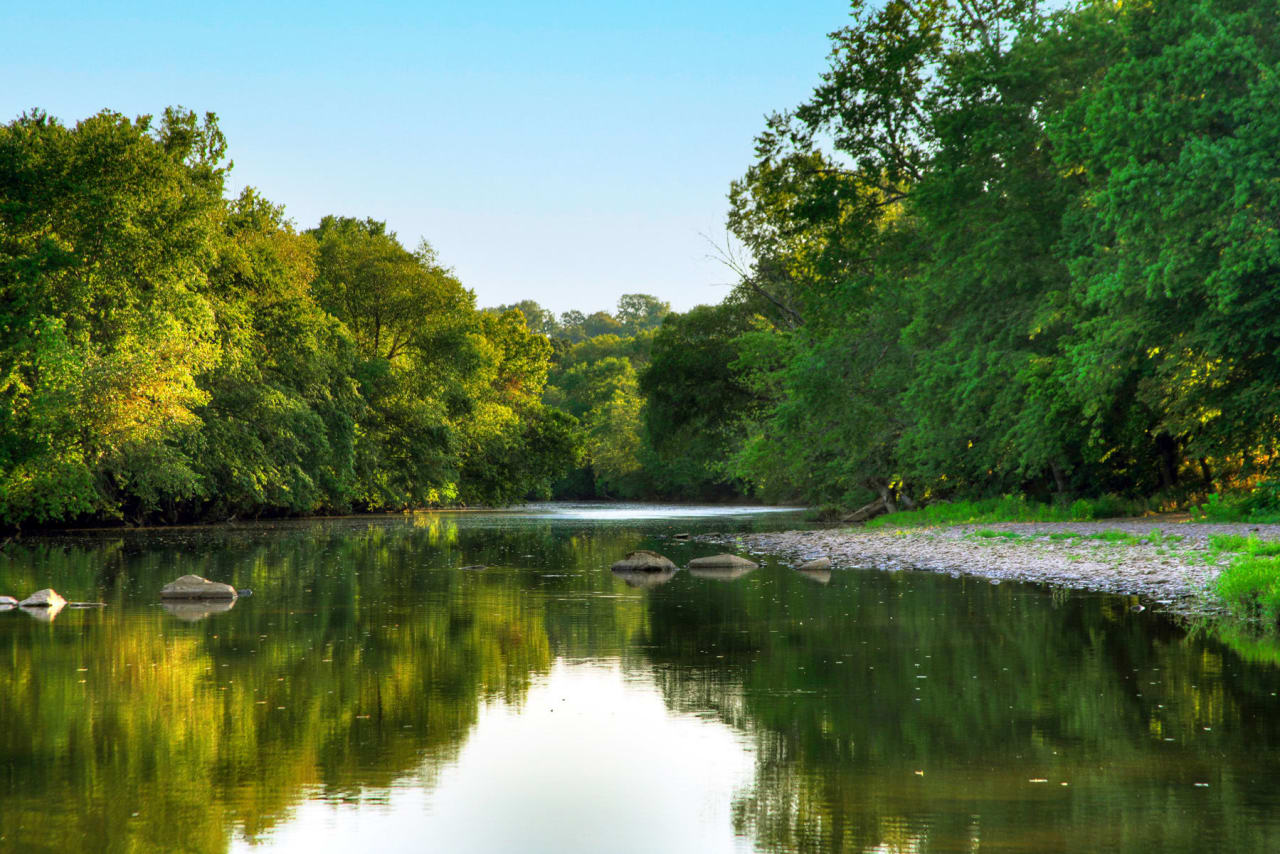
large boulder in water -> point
(643, 560)
(815, 565)
(195, 587)
(47, 598)
(722, 561)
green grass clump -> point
(1248, 545)
(1252, 582)
(987, 534)
(1009, 508)
(1154, 537)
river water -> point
(374, 695)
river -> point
(372, 694)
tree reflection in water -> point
(875, 711)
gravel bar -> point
(1174, 575)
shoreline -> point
(1171, 571)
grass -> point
(1009, 508)
(987, 534)
(1154, 537)
(1248, 545)
(1252, 582)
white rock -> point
(47, 598)
(195, 587)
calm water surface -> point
(373, 694)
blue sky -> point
(562, 152)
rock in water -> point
(724, 561)
(195, 587)
(47, 598)
(815, 564)
(7, 602)
(644, 560)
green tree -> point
(107, 232)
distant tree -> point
(538, 319)
(641, 312)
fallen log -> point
(868, 511)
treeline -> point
(1002, 249)
(167, 353)
(594, 378)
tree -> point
(107, 232)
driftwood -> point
(868, 511)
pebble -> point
(1176, 581)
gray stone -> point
(815, 564)
(8, 602)
(722, 561)
(47, 598)
(644, 560)
(195, 587)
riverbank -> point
(1170, 565)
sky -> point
(563, 152)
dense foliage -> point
(594, 378)
(1000, 250)
(168, 353)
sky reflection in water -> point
(373, 693)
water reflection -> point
(604, 766)
(821, 576)
(644, 577)
(371, 690)
(195, 610)
(721, 573)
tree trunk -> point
(1059, 479)
(886, 495)
(868, 511)
(1167, 449)
(1207, 474)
